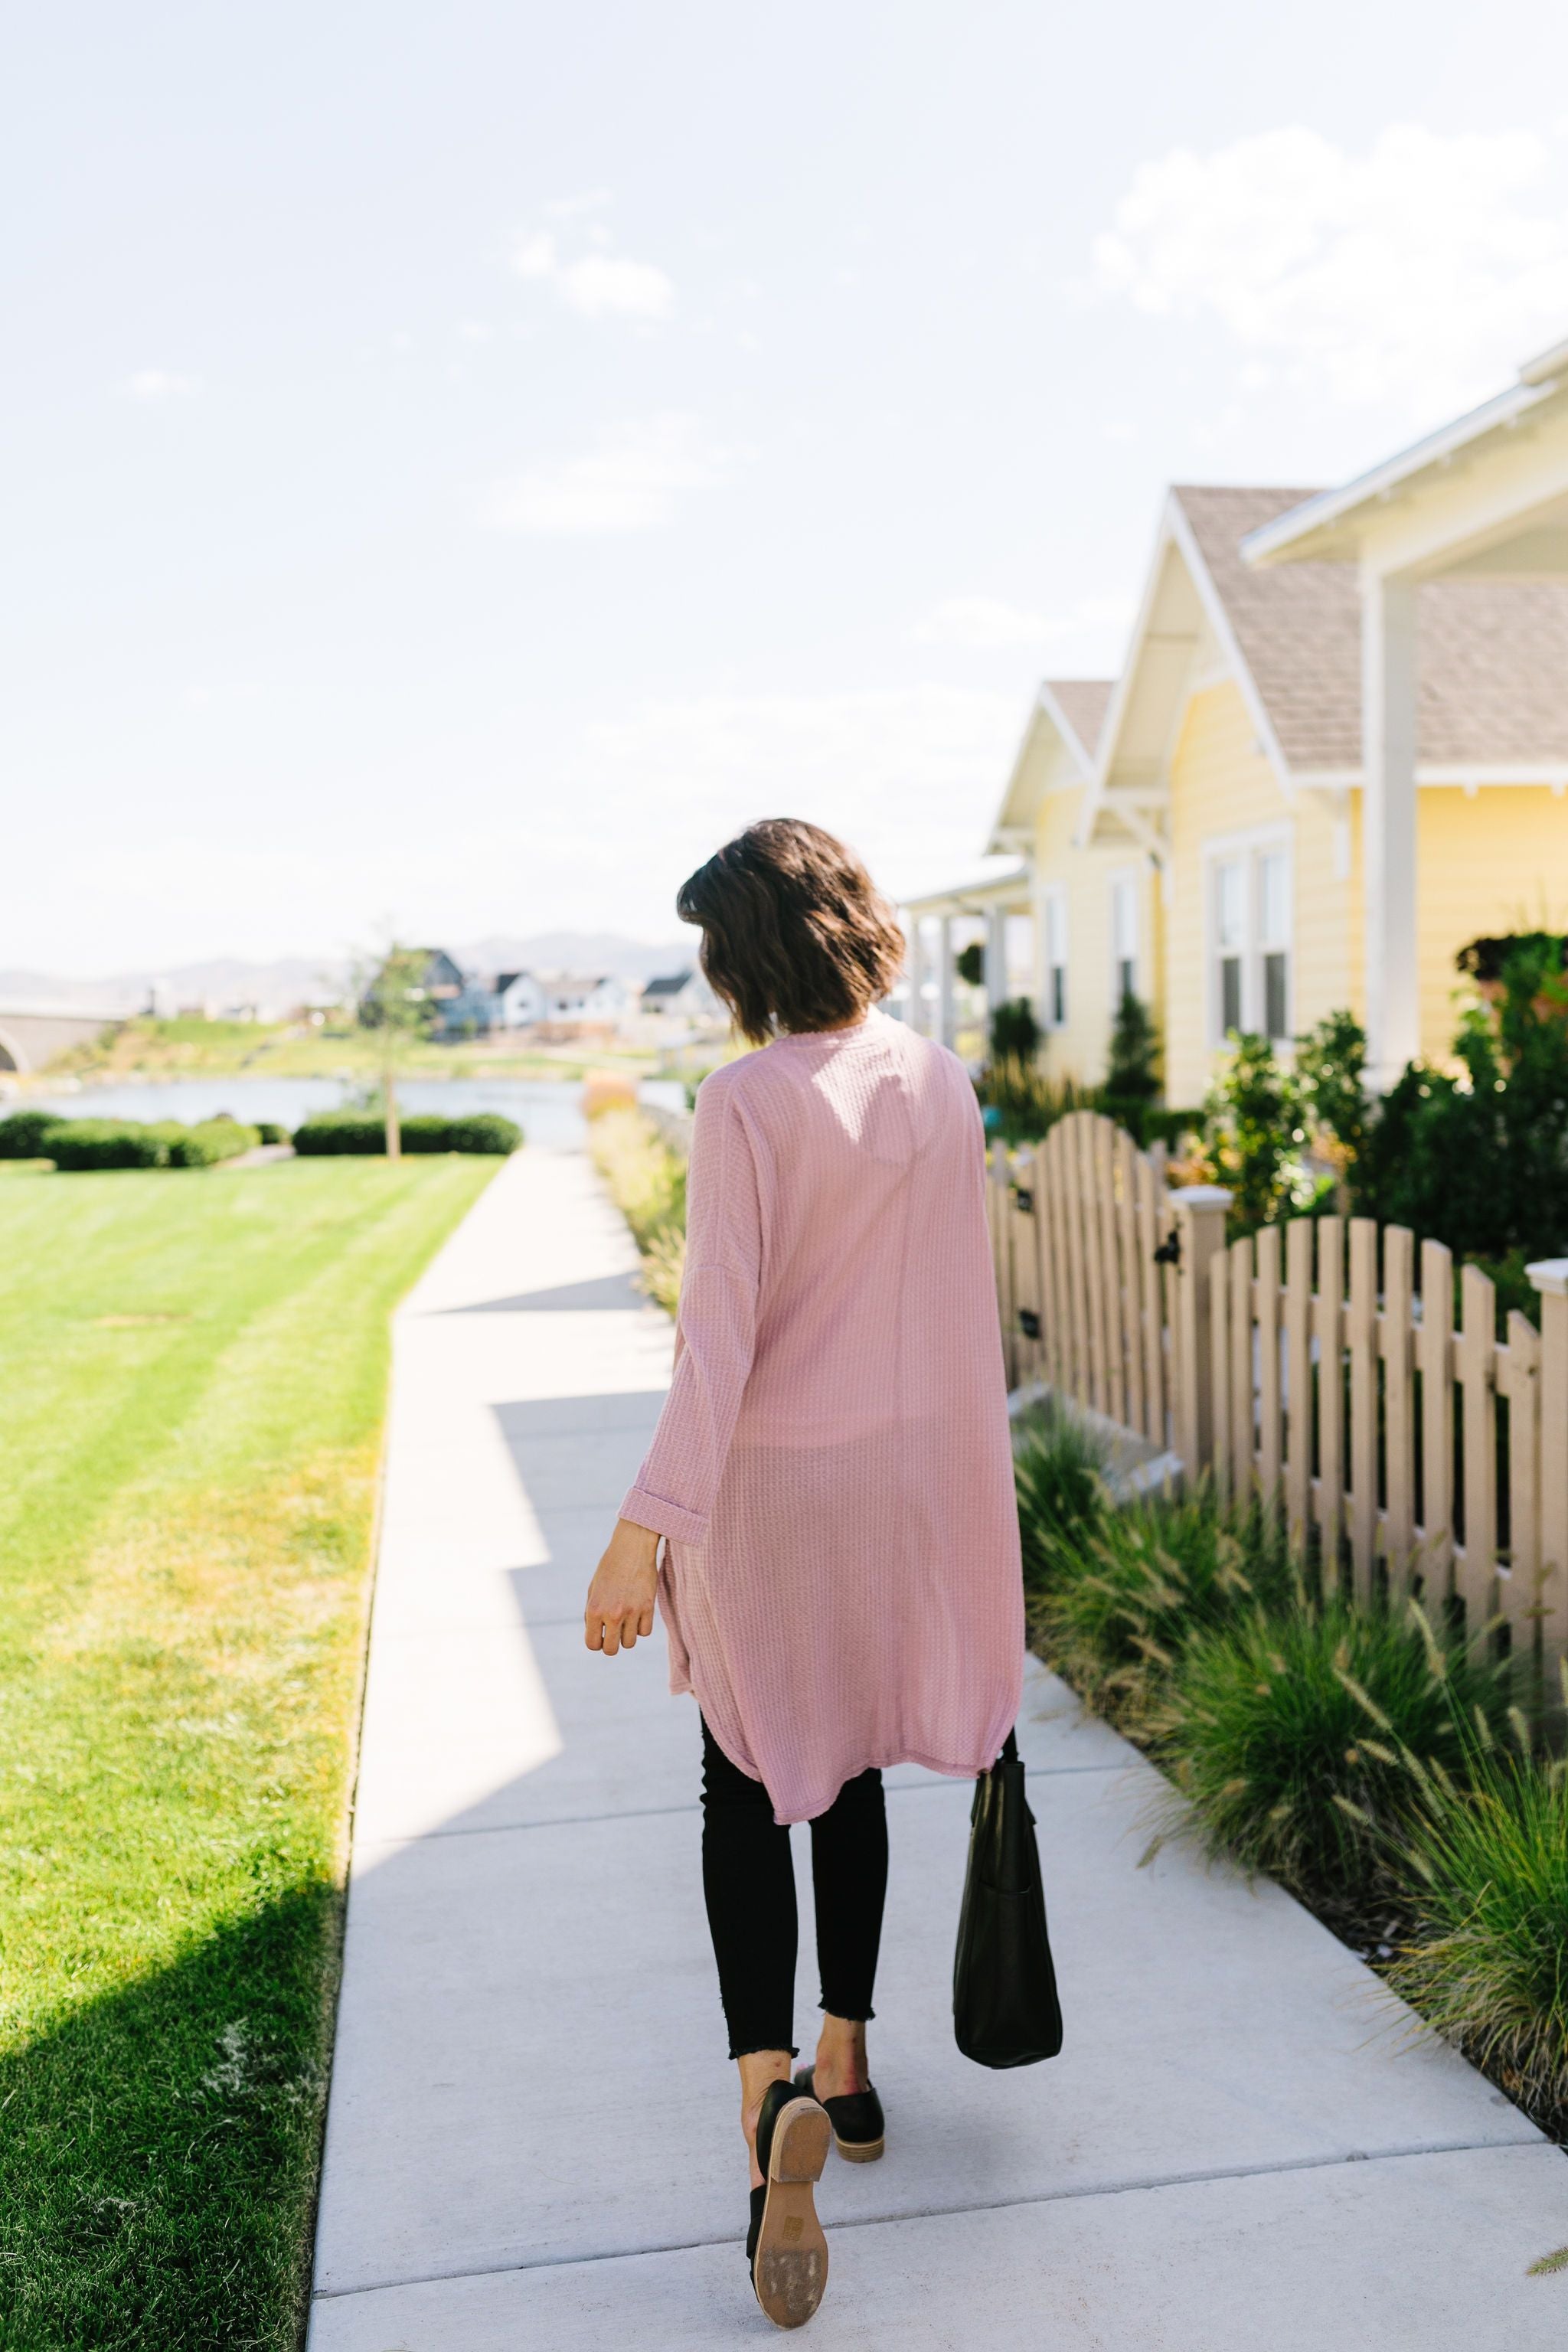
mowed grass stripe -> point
(185, 1547)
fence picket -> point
(1150, 1201)
(1025, 1265)
(1111, 1270)
(1435, 1349)
(1475, 1570)
(1270, 1447)
(1328, 1320)
(1050, 1318)
(1518, 1377)
(1298, 1234)
(1241, 1428)
(1396, 1344)
(1219, 1370)
(1094, 1274)
(1360, 1331)
(1132, 1276)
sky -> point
(461, 462)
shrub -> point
(270, 1131)
(1487, 1871)
(84, 1144)
(1026, 1103)
(212, 1140)
(23, 1135)
(351, 1132)
(969, 963)
(1289, 1734)
(1254, 1125)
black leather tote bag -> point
(1005, 2006)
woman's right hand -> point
(621, 1597)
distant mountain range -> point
(275, 988)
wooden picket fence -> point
(1409, 1448)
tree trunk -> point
(389, 1096)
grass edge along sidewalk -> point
(194, 1381)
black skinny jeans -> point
(748, 1878)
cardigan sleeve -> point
(715, 1329)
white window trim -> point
(1056, 954)
(1125, 877)
(1250, 847)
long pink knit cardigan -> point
(832, 1467)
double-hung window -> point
(1124, 938)
(1249, 937)
(1054, 926)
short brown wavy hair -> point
(795, 934)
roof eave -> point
(1314, 531)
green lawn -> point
(193, 1371)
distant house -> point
(518, 999)
(680, 996)
(573, 997)
(446, 984)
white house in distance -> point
(519, 1001)
(679, 996)
(598, 998)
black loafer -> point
(860, 2132)
(786, 2253)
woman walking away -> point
(832, 1480)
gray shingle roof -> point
(1084, 703)
(1493, 680)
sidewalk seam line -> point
(950, 2212)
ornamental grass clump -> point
(1485, 1862)
(1058, 1471)
(1117, 1612)
(647, 1185)
(1298, 1737)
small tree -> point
(396, 1006)
(969, 963)
(1132, 1083)
(1015, 1032)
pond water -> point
(548, 1110)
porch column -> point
(914, 974)
(995, 957)
(947, 1021)
(1388, 822)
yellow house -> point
(1243, 836)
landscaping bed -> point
(194, 1381)
(1374, 1766)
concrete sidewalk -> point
(532, 2136)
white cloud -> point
(631, 482)
(1419, 274)
(597, 282)
(160, 383)
(982, 624)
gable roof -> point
(1492, 685)
(1067, 716)
(670, 984)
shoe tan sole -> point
(859, 2151)
(789, 2269)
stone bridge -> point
(32, 1034)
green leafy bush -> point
(1288, 1733)
(1255, 1128)
(87, 1143)
(1486, 1862)
(1027, 1103)
(351, 1132)
(23, 1135)
(268, 1130)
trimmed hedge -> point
(353, 1131)
(22, 1135)
(74, 1144)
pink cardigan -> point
(832, 1467)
